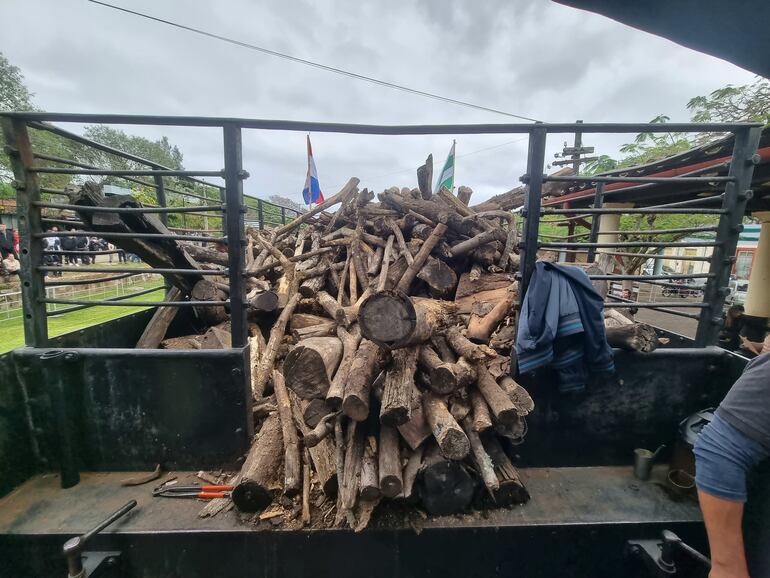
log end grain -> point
(251, 497)
(387, 318)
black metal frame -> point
(733, 204)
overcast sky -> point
(529, 57)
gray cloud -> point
(534, 58)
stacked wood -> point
(373, 338)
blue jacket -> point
(562, 325)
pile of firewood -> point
(380, 336)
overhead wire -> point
(313, 64)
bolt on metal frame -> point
(734, 199)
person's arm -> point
(724, 527)
(754, 346)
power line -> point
(313, 64)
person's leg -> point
(723, 458)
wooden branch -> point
(158, 325)
(498, 400)
(439, 277)
(366, 364)
(449, 435)
(291, 462)
(348, 190)
(422, 256)
(391, 481)
(260, 471)
(465, 247)
(385, 264)
(511, 490)
(396, 404)
(464, 347)
(633, 337)
(464, 195)
(369, 486)
(333, 308)
(306, 488)
(482, 420)
(425, 178)
(481, 458)
(481, 328)
(401, 241)
(322, 453)
(375, 262)
(446, 377)
(350, 342)
(411, 469)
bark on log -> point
(394, 320)
(369, 485)
(482, 420)
(271, 351)
(411, 469)
(425, 178)
(464, 195)
(465, 247)
(350, 342)
(205, 254)
(431, 210)
(416, 430)
(304, 320)
(314, 410)
(326, 329)
(499, 402)
(396, 404)
(205, 290)
(444, 487)
(292, 464)
(446, 377)
(633, 337)
(323, 454)
(391, 481)
(333, 308)
(439, 277)
(156, 329)
(185, 342)
(260, 474)
(473, 352)
(511, 490)
(421, 257)
(310, 365)
(366, 364)
(354, 452)
(216, 338)
(519, 396)
(449, 435)
(480, 329)
(481, 459)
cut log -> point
(416, 430)
(326, 329)
(446, 377)
(366, 365)
(303, 320)
(354, 453)
(156, 329)
(435, 212)
(481, 459)
(422, 256)
(425, 178)
(292, 464)
(394, 320)
(499, 402)
(216, 338)
(265, 366)
(482, 420)
(633, 337)
(473, 352)
(350, 343)
(444, 486)
(396, 404)
(391, 481)
(465, 247)
(261, 471)
(511, 490)
(369, 485)
(185, 342)
(206, 290)
(464, 195)
(439, 277)
(333, 308)
(449, 435)
(263, 302)
(477, 286)
(314, 410)
(480, 329)
(519, 396)
(310, 365)
(205, 254)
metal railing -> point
(234, 209)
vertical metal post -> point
(260, 214)
(19, 149)
(531, 212)
(737, 195)
(595, 221)
(234, 229)
(161, 196)
(283, 215)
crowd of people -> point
(9, 252)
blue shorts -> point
(723, 458)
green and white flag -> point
(446, 179)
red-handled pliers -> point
(208, 492)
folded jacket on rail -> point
(562, 325)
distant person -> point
(6, 241)
(69, 244)
(10, 266)
(730, 336)
(50, 257)
(81, 245)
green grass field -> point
(12, 331)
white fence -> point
(10, 303)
